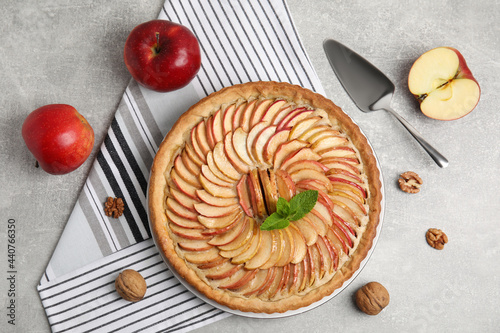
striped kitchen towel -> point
(240, 41)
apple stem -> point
(36, 164)
(157, 42)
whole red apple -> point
(59, 137)
(162, 55)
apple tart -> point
(219, 173)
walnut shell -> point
(372, 298)
(130, 285)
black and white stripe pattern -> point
(86, 301)
(241, 41)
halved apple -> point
(443, 84)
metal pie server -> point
(370, 89)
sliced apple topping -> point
(228, 178)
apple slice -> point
(307, 230)
(328, 142)
(278, 117)
(286, 149)
(302, 154)
(231, 235)
(290, 115)
(216, 171)
(183, 199)
(201, 138)
(252, 249)
(260, 142)
(318, 224)
(219, 231)
(346, 152)
(260, 283)
(227, 119)
(216, 127)
(278, 138)
(252, 135)
(350, 200)
(207, 210)
(300, 247)
(216, 190)
(220, 222)
(297, 118)
(337, 241)
(273, 110)
(313, 130)
(215, 201)
(337, 163)
(305, 164)
(326, 257)
(201, 257)
(245, 236)
(232, 156)
(207, 172)
(288, 248)
(264, 252)
(259, 111)
(255, 191)
(303, 125)
(223, 163)
(443, 84)
(193, 234)
(237, 116)
(240, 145)
(248, 276)
(192, 154)
(246, 114)
(285, 185)
(189, 164)
(270, 191)
(224, 271)
(196, 145)
(197, 245)
(182, 221)
(184, 173)
(285, 276)
(244, 196)
(247, 246)
(180, 210)
(304, 174)
(303, 273)
(277, 249)
(314, 262)
(210, 134)
(335, 180)
(215, 263)
(343, 173)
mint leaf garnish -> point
(294, 210)
(302, 204)
(275, 221)
(282, 207)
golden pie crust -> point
(292, 279)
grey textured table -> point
(70, 52)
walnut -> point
(372, 298)
(436, 238)
(130, 285)
(114, 207)
(410, 182)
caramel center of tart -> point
(227, 179)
